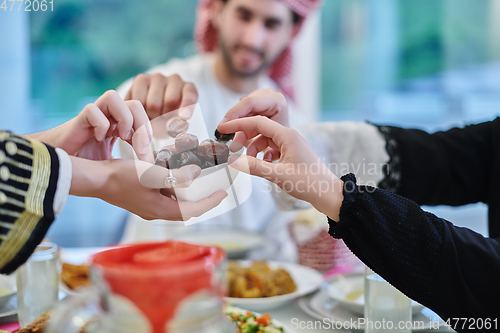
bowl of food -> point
(211, 156)
(7, 288)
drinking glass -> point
(386, 308)
(37, 284)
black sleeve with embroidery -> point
(453, 271)
(444, 168)
(29, 171)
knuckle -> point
(88, 108)
(190, 87)
(175, 77)
(141, 78)
(136, 104)
(247, 101)
(112, 96)
(172, 102)
(154, 106)
(109, 94)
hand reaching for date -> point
(267, 103)
(160, 94)
(299, 172)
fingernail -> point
(224, 120)
(235, 146)
(185, 113)
(193, 169)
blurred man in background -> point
(244, 45)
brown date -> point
(165, 157)
(185, 142)
(176, 126)
(207, 164)
(188, 157)
(214, 152)
(223, 137)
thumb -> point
(254, 166)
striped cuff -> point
(64, 181)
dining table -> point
(290, 315)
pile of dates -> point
(187, 150)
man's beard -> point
(227, 58)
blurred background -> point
(429, 64)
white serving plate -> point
(321, 306)
(342, 288)
(210, 180)
(306, 279)
(235, 242)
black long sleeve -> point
(453, 271)
(454, 167)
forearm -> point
(53, 137)
(89, 178)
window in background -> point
(84, 48)
(424, 62)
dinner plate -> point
(321, 306)
(348, 290)
(306, 279)
(237, 243)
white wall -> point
(307, 68)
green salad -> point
(248, 322)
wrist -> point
(330, 203)
(89, 178)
